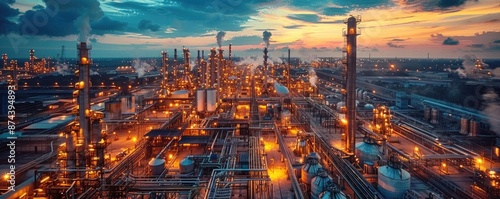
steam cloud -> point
(313, 79)
(492, 109)
(266, 35)
(141, 67)
(468, 66)
(254, 62)
(220, 37)
(91, 12)
(62, 69)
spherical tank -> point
(211, 100)
(186, 166)
(156, 165)
(200, 100)
(332, 192)
(393, 182)
(310, 169)
(320, 183)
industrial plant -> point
(217, 126)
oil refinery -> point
(219, 126)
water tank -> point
(285, 117)
(367, 151)
(186, 166)
(369, 107)
(200, 100)
(434, 116)
(310, 169)
(320, 183)
(464, 126)
(332, 192)
(427, 113)
(180, 94)
(211, 100)
(393, 181)
(340, 105)
(473, 128)
(156, 165)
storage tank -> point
(310, 169)
(180, 94)
(332, 192)
(156, 165)
(360, 95)
(367, 151)
(285, 117)
(473, 128)
(211, 100)
(393, 181)
(320, 183)
(200, 100)
(464, 126)
(186, 165)
(434, 116)
(369, 107)
(365, 95)
(113, 109)
(340, 105)
(427, 113)
(301, 146)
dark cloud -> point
(148, 25)
(107, 24)
(245, 40)
(450, 41)
(396, 39)
(332, 11)
(496, 41)
(305, 17)
(6, 12)
(293, 26)
(393, 45)
(435, 5)
(345, 6)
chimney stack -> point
(351, 35)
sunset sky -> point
(134, 28)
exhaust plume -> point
(492, 109)
(91, 11)
(313, 79)
(266, 35)
(254, 62)
(141, 67)
(62, 69)
(468, 67)
(220, 37)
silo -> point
(211, 100)
(156, 165)
(427, 113)
(393, 181)
(473, 128)
(186, 166)
(332, 192)
(310, 169)
(434, 116)
(200, 100)
(367, 151)
(464, 126)
(285, 117)
(320, 183)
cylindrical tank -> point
(310, 169)
(156, 165)
(211, 100)
(320, 183)
(473, 128)
(368, 167)
(340, 105)
(367, 151)
(186, 166)
(200, 100)
(365, 95)
(332, 192)
(301, 146)
(285, 117)
(113, 109)
(434, 116)
(180, 94)
(427, 113)
(393, 181)
(464, 126)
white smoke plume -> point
(254, 62)
(276, 60)
(220, 37)
(91, 11)
(141, 67)
(266, 36)
(313, 79)
(62, 68)
(191, 65)
(496, 72)
(492, 110)
(468, 67)
(93, 72)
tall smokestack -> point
(164, 66)
(186, 61)
(175, 67)
(84, 133)
(288, 70)
(230, 53)
(219, 68)
(202, 54)
(265, 60)
(212, 76)
(351, 35)
(32, 61)
(198, 59)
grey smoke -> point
(93, 72)
(141, 67)
(220, 37)
(266, 36)
(62, 69)
(492, 109)
(468, 67)
(313, 79)
(91, 12)
(254, 62)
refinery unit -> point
(219, 129)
